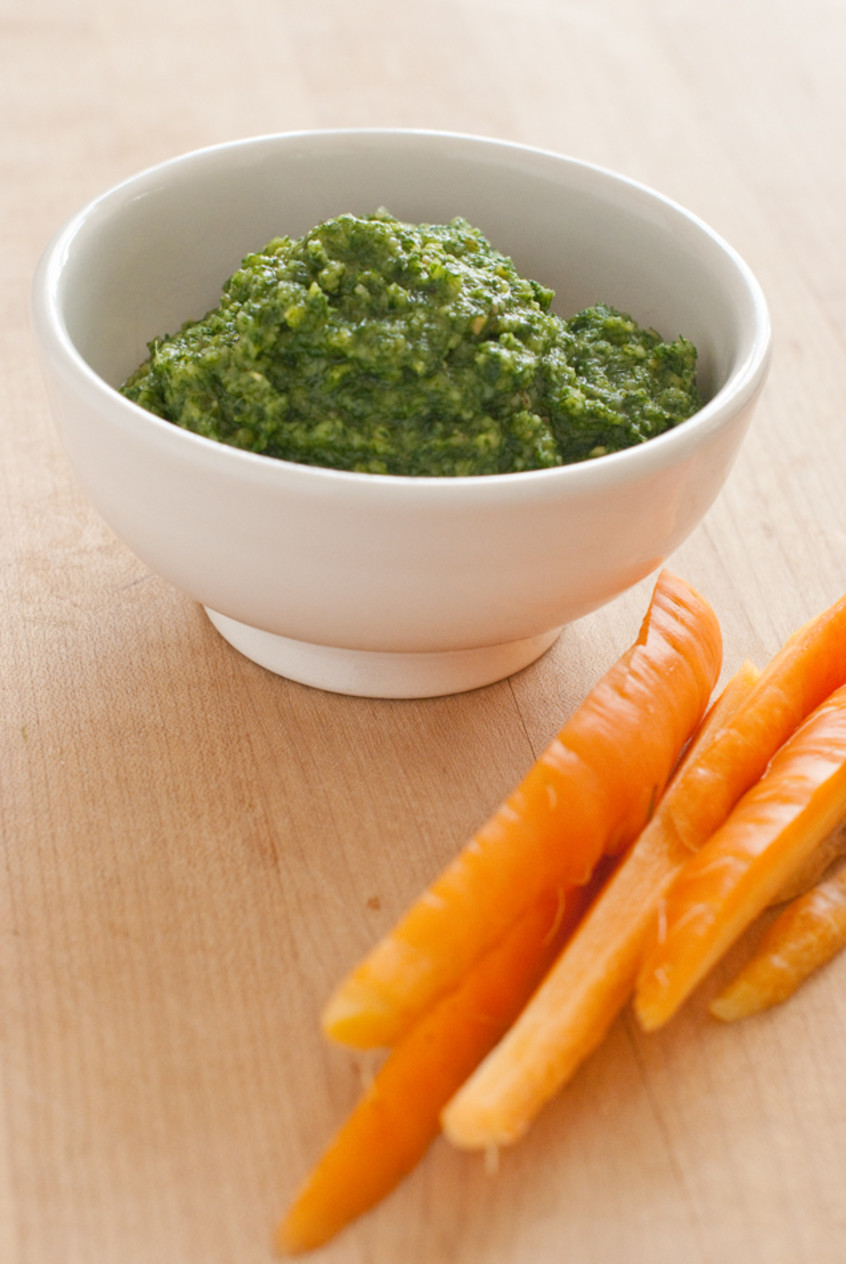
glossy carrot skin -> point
(586, 988)
(805, 936)
(589, 794)
(396, 1120)
(719, 891)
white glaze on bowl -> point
(373, 584)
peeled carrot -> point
(590, 793)
(595, 975)
(592, 980)
(811, 664)
(815, 868)
(720, 890)
(805, 936)
(397, 1118)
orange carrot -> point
(805, 936)
(593, 978)
(397, 1118)
(595, 975)
(590, 793)
(809, 666)
(720, 890)
(816, 867)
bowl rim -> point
(741, 387)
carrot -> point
(811, 664)
(808, 933)
(397, 1118)
(720, 890)
(592, 980)
(816, 867)
(590, 983)
(589, 793)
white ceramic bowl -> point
(370, 584)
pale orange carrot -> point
(589, 793)
(808, 933)
(718, 892)
(395, 1121)
(593, 978)
(816, 867)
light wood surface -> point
(193, 850)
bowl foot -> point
(374, 674)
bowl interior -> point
(155, 251)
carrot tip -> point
(353, 1017)
(293, 1237)
(468, 1129)
(727, 1009)
(284, 1243)
(739, 1000)
(654, 1010)
(650, 1022)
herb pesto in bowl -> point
(385, 347)
(378, 583)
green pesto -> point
(384, 347)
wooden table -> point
(194, 849)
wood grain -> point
(193, 849)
